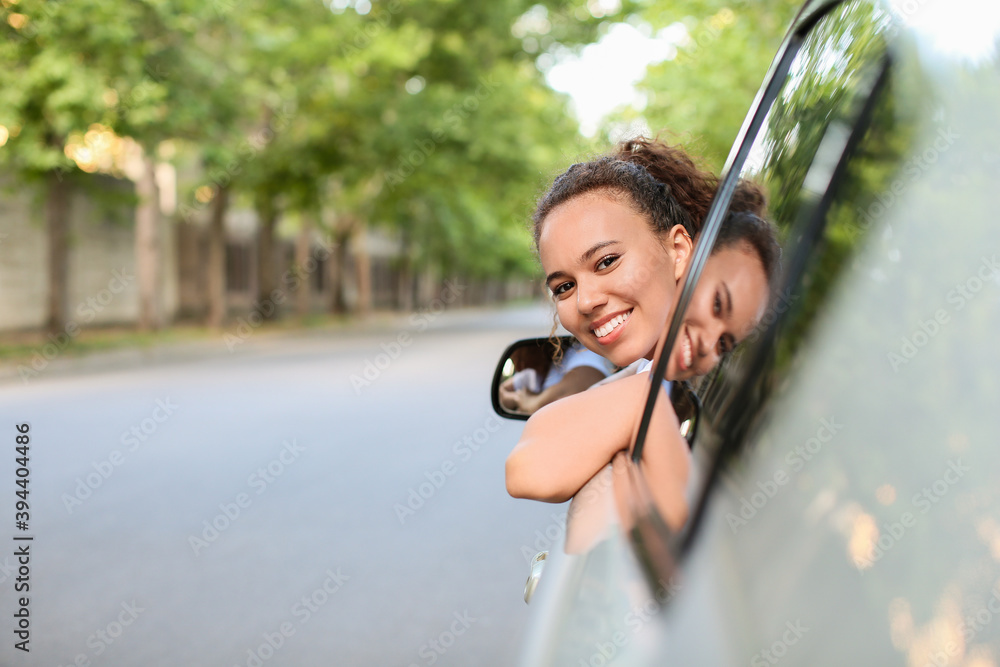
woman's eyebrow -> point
(583, 258)
(555, 274)
(728, 306)
(594, 248)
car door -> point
(845, 511)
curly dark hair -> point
(622, 181)
(693, 187)
(665, 184)
(745, 230)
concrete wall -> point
(102, 286)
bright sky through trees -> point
(603, 76)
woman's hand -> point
(509, 398)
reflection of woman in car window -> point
(615, 245)
(542, 379)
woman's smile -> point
(609, 329)
(685, 355)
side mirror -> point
(536, 371)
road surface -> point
(333, 499)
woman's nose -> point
(708, 343)
(589, 297)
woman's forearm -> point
(574, 382)
(566, 443)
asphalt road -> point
(331, 499)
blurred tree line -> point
(428, 118)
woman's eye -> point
(717, 308)
(605, 262)
(561, 289)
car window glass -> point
(794, 158)
(868, 474)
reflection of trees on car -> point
(878, 359)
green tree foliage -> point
(701, 96)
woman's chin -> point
(623, 356)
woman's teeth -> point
(686, 349)
(611, 325)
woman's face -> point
(727, 304)
(612, 278)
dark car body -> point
(846, 503)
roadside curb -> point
(213, 345)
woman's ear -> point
(681, 246)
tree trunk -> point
(337, 273)
(406, 284)
(147, 247)
(303, 252)
(57, 222)
(217, 260)
(364, 268)
(266, 279)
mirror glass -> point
(536, 371)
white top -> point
(575, 357)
